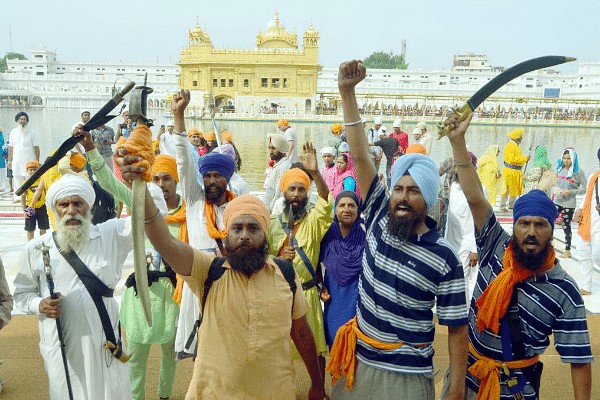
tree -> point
(10, 56)
(383, 60)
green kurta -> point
(313, 228)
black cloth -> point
(389, 145)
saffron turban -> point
(226, 137)
(536, 203)
(19, 115)
(215, 161)
(422, 125)
(416, 148)
(226, 149)
(515, 134)
(165, 163)
(337, 128)
(210, 136)
(155, 145)
(247, 204)
(70, 185)
(377, 121)
(279, 142)
(294, 175)
(77, 160)
(424, 172)
(328, 150)
(32, 164)
(282, 122)
(194, 131)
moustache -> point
(403, 204)
(530, 240)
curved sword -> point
(500, 80)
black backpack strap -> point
(287, 269)
(215, 271)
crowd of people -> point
(340, 266)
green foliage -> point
(10, 56)
(383, 60)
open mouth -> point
(402, 210)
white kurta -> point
(590, 251)
(193, 195)
(23, 144)
(95, 374)
(238, 186)
(166, 144)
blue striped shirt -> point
(398, 288)
(548, 303)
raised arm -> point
(350, 74)
(469, 180)
(309, 160)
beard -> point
(73, 237)
(529, 260)
(247, 259)
(211, 196)
(298, 211)
(403, 227)
(277, 156)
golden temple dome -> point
(276, 36)
(199, 36)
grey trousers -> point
(374, 383)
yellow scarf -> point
(586, 213)
(179, 216)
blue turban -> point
(536, 203)
(598, 154)
(221, 163)
(423, 170)
(20, 114)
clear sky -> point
(508, 31)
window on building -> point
(222, 82)
(231, 83)
(42, 73)
(275, 82)
(246, 83)
(39, 56)
(528, 86)
(215, 83)
(194, 83)
(264, 82)
(285, 83)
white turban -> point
(377, 121)
(170, 123)
(84, 110)
(422, 125)
(328, 150)
(397, 124)
(70, 185)
(279, 142)
(417, 131)
(344, 148)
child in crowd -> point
(34, 204)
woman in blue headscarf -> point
(341, 256)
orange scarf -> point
(586, 213)
(211, 219)
(179, 216)
(493, 302)
(487, 371)
(343, 353)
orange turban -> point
(156, 145)
(416, 148)
(282, 122)
(193, 131)
(226, 136)
(293, 175)
(35, 164)
(77, 160)
(211, 136)
(247, 204)
(337, 128)
(165, 163)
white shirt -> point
(238, 186)
(92, 377)
(23, 143)
(166, 144)
(372, 137)
(291, 136)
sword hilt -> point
(462, 112)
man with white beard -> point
(94, 372)
(23, 147)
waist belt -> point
(487, 370)
(517, 167)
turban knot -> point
(77, 160)
(337, 128)
(165, 163)
(294, 175)
(424, 172)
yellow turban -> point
(282, 122)
(78, 161)
(165, 163)
(155, 145)
(515, 134)
(211, 136)
(226, 136)
(247, 204)
(35, 164)
(293, 175)
(416, 148)
(337, 128)
(194, 131)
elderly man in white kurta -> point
(94, 373)
(23, 147)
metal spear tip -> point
(569, 59)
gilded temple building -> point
(275, 73)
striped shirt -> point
(549, 303)
(400, 283)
